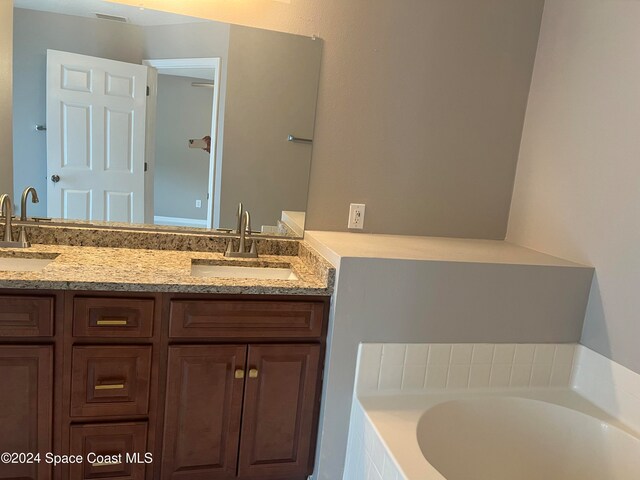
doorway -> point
(181, 141)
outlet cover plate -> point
(356, 216)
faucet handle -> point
(24, 241)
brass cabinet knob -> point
(239, 373)
(253, 373)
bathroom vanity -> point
(193, 380)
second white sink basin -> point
(234, 271)
(18, 264)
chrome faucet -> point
(23, 202)
(24, 241)
(6, 209)
(244, 227)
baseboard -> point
(179, 222)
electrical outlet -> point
(356, 216)
(198, 203)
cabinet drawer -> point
(110, 381)
(104, 449)
(245, 319)
(23, 316)
(112, 317)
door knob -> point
(55, 178)
(253, 373)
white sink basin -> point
(234, 271)
(17, 264)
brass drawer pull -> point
(111, 322)
(253, 373)
(105, 464)
(112, 386)
(239, 373)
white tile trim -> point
(398, 367)
(367, 455)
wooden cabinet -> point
(105, 448)
(280, 403)
(110, 380)
(209, 387)
(26, 316)
(233, 319)
(202, 415)
(113, 317)
(26, 400)
(205, 408)
(27, 361)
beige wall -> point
(577, 192)
(420, 107)
(272, 90)
(181, 174)
(6, 81)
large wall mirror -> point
(143, 117)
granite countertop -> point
(147, 270)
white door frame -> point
(183, 63)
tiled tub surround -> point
(390, 398)
(396, 367)
(143, 269)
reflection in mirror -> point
(137, 116)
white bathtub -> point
(547, 434)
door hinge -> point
(148, 90)
(146, 166)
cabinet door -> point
(280, 410)
(202, 412)
(26, 401)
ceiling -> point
(88, 8)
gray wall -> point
(389, 300)
(181, 174)
(420, 107)
(34, 33)
(273, 86)
(576, 193)
(6, 79)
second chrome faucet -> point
(244, 227)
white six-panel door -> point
(95, 138)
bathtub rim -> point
(394, 418)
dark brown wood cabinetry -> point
(205, 385)
(105, 447)
(26, 400)
(278, 415)
(163, 386)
